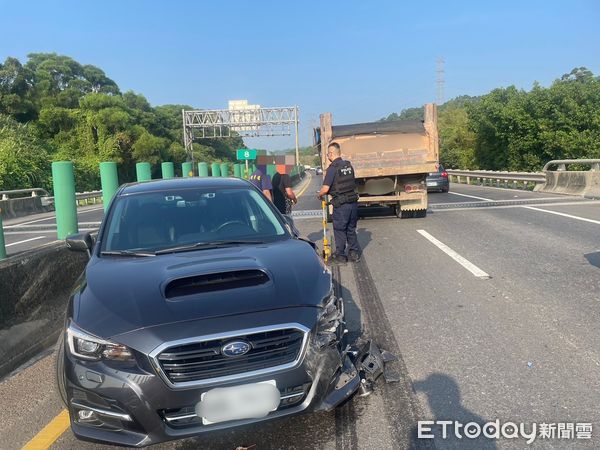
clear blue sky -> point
(360, 60)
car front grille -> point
(200, 361)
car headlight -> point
(86, 346)
(331, 317)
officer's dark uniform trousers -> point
(345, 218)
(345, 215)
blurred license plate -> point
(432, 183)
(248, 401)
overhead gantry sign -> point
(240, 118)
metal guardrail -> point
(33, 192)
(562, 164)
(515, 180)
(81, 197)
(48, 200)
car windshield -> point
(160, 220)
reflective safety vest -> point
(343, 181)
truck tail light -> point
(412, 187)
(444, 174)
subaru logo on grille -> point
(235, 348)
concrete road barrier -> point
(19, 207)
(34, 290)
(585, 183)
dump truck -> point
(391, 159)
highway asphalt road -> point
(492, 309)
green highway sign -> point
(246, 154)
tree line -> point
(518, 130)
(54, 108)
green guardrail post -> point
(143, 171)
(109, 179)
(224, 169)
(168, 170)
(215, 170)
(202, 169)
(2, 243)
(65, 202)
(237, 170)
(187, 169)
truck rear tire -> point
(398, 211)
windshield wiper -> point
(205, 245)
(125, 253)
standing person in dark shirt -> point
(263, 182)
(283, 194)
(339, 182)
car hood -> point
(122, 294)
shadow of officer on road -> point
(443, 396)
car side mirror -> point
(81, 242)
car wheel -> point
(59, 366)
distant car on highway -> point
(319, 171)
(191, 316)
(438, 181)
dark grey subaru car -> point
(200, 309)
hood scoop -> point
(212, 282)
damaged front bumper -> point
(134, 406)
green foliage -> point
(75, 112)
(457, 141)
(23, 156)
(517, 130)
(405, 114)
(149, 148)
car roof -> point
(183, 183)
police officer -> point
(263, 182)
(339, 182)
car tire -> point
(59, 369)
